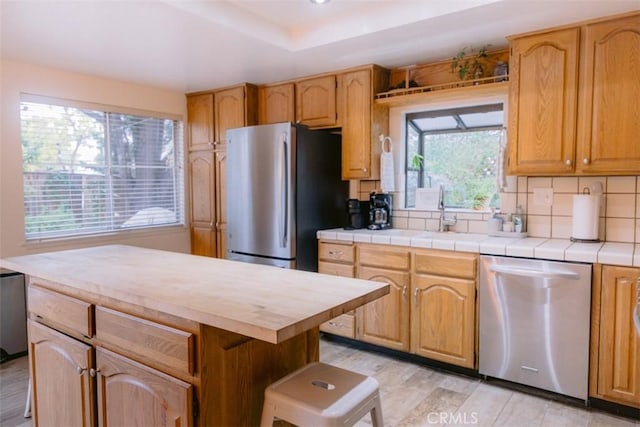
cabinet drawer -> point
(343, 325)
(344, 270)
(336, 252)
(67, 313)
(452, 264)
(145, 340)
(385, 257)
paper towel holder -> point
(596, 190)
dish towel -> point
(501, 164)
(387, 181)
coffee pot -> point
(380, 210)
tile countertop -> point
(625, 254)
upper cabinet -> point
(574, 100)
(610, 107)
(200, 121)
(277, 103)
(234, 108)
(362, 122)
(316, 101)
(542, 102)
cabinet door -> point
(443, 319)
(132, 394)
(543, 102)
(202, 195)
(200, 121)
(356, 124)
(229, 111)
(610, 113)
(62, 392)
(385, 321)
(221, 200)
(316, 102)
(619, 351)
(277, 103)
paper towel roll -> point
(586, 216)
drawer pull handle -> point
(81, 370)
(339, 253)
(416, 294)
(93, 372)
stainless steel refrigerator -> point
(283, 184)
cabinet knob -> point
(364, 170)
(81, 370)
(585, 161)
(211, 144)
(567, 162)
(93, 372)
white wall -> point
(16, 78)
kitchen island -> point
(147, 337)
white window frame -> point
(179, 183)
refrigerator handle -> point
(284, 194)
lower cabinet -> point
(60, 376)
(431, 306)
(385, 321)
(615, 341)
(337, 259)
(130, 393)
(442, 319)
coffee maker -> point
(357, 214)
(380, 211)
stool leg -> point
(27, 404)
(267, 415)
(376, 412)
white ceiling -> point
(196, 45)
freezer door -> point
(260, 191)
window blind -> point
(88, 171)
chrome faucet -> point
(444, 223)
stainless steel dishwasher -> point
(534, 323)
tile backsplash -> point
(619, 210)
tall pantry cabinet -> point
(210, 114)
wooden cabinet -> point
(200, 134)
(543, 102)
(59, 365)
(337, 259)
(615, 355)
(202, 195)
(130, 393)
(385, 321)
(573, 100)
(443, 315)
(316, 101)
(362, 122)
(276, 103)
(610, 106)
(213, 113)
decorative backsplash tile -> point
(619, 210)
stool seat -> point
(322, 395)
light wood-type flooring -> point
(412, 395)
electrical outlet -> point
(543, 196)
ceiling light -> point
(319, 1)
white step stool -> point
(322, 395)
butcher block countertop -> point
(267, 303)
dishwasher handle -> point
(530, 272)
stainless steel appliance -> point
(283, 185)
(380, 210)
(13, 316)
(534, 323)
